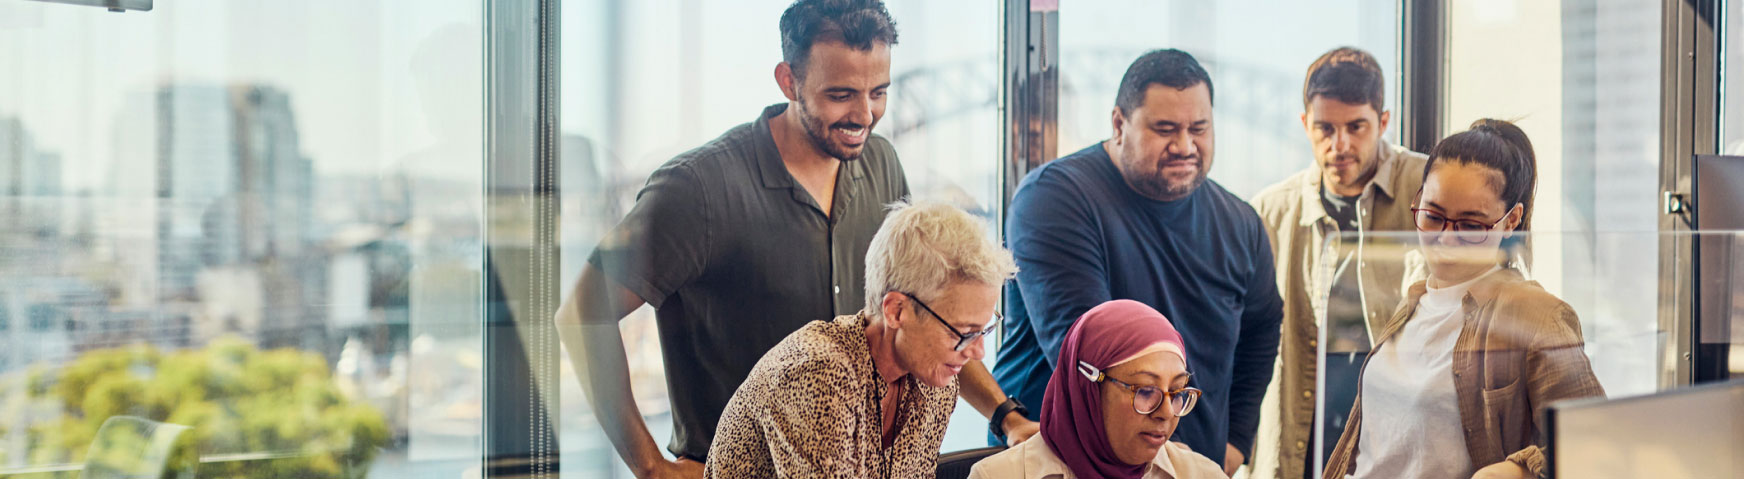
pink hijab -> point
(1071, 417)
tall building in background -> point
(235, 222)
(33, 310)
(24, 171)
(196, 171)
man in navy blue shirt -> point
(1134, 217)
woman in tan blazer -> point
(1458, 374)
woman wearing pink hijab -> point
(1117, 393)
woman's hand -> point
(1504, 470)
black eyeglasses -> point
(1466, 231)
(1147, 399)
(962, 339)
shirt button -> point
(838, 289)
(1309, 394)
(1301, 445)
(1313, 343)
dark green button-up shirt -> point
(734, 255)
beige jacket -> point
(1299, 228)
(1033, 459)
(1519, 350)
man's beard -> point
(1155, 185)
(819, 134)
(1363, 171)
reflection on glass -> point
(257, 220)
(132, 447)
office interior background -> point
(328, 235)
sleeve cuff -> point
(1244, 446)
(631, 281)
(1531, 459)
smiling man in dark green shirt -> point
(745, 239)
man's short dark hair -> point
(857, 23)
(1171, 68)
(1348, 75)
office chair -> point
(956, 464)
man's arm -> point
(661, 245)
(588, 326)
(984, 394)
(1256, 350)
(1059, 259)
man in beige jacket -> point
(1360, 184)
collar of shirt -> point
(862, 320)
(1386, 174)
(769, 166)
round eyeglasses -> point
(1147, 399)
(1465, 231)
(962, 338)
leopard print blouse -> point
(811, 408)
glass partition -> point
(256, 220)
(1453, 332)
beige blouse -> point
(811, 408)
(1033, 459)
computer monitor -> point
(1694, 433)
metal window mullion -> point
(1688, 125)
(1028, 97)
(1422, 77)
(520, 247)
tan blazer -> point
(1519, 350)
(1033, 459)
(1299, 228)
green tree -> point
(237, 398)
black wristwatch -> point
(997, 427)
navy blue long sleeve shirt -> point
(1082, 237)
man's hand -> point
(1504, 470)
(1232, 459)
(683, 468)
(1018, 429)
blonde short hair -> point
(924, 247)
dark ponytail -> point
(1500, 146)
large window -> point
(260, 220)
(1581, 77)
(261, 225)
